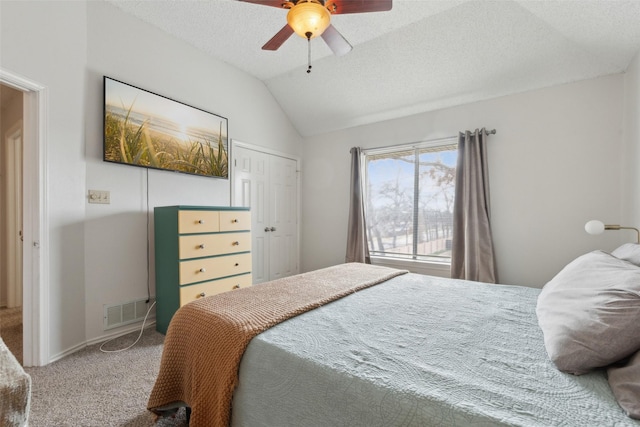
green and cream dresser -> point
(200, 251)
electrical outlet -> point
(97, 196)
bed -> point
(394, 349)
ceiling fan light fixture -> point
(308, 18)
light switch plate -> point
(98, 196)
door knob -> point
(273, 229)
(267, 229)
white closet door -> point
(283, 220)
(267, 184)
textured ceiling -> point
(421, 55)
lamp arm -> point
(633, 228)
(618, 227)
(597, 227)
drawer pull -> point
(234, 220)
(236, 287)
(201, 246)
(202, 270)
(236, 243)
(201, 221)
(237, 264)
(202, 295)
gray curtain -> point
(357, 247)
(472, 256)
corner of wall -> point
(631, 135)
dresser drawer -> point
(201, 290)
(198, 222)
(199, 270)
(235, 220)
(203, 245)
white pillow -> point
(590, 311)
(628, 252)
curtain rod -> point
(486, 132)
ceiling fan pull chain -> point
(309, 52)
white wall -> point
(554, 164)
(99, 252)
(46, 42)
(631, 155)
(145, 57)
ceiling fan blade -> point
(277, 40)
(361, 6)
(274, 3)
(336, 42)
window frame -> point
(422, 263)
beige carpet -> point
(91, 388)
(11, 330)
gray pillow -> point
(590, 311)
(628, 252)
(624, 380)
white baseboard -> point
(67, 352)
(121, 332)
(103, 338)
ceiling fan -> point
(312, 18)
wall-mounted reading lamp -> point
(597, 227)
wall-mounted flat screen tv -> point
(144, 129)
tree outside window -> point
(409, 201)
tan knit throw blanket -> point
(207, 338)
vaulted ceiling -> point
(420, 56)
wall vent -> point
(116, 315)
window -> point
(409, 193)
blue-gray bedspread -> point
(417, 351)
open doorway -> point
(11, 214)
(35, 224)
